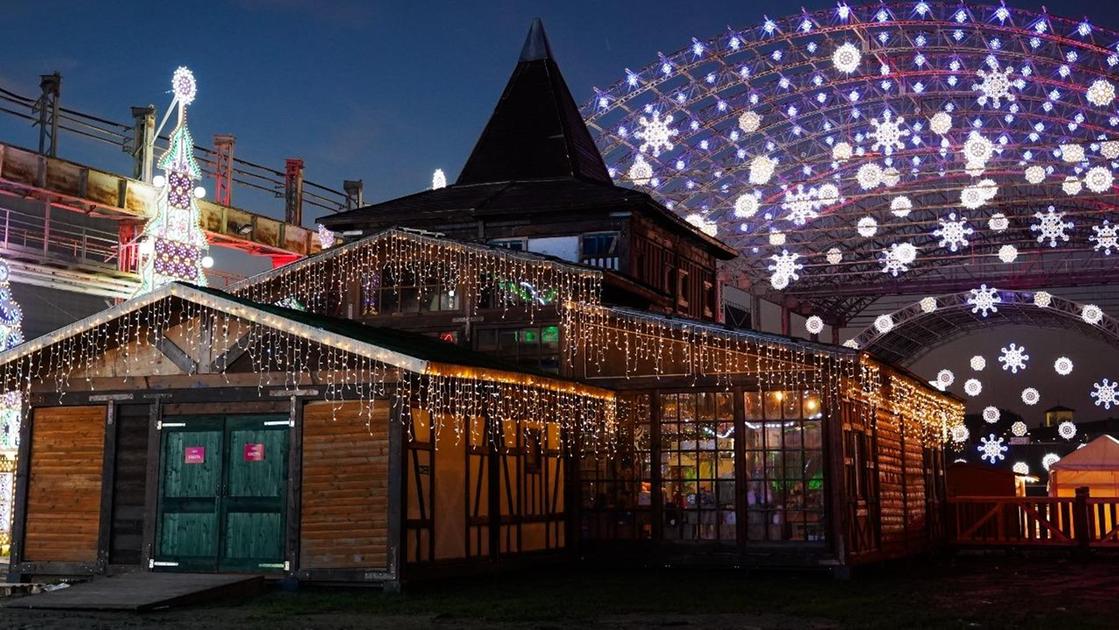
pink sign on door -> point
(194, 455)
(254, 452)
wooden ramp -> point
(144, 591)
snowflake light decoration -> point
(940, 123)
(1034, 174)
(749, 121)
(640, 172)
(1049, 459)
(1063, 366)
(960, 434)
(888, 133)
(994, 85)
(992, 448)
(785, 265)
(1067, 429)
(901, 206)
(998, 222)
(978, 363)
(841, 152)
(984, 300)
(1008, 253)
(834, 256)
(869, 176)
(973, 387)
(705, 225)
(1051, 225)
(1072, 186)
(1030, 396)
(1106, 393)
(991, 414)
(656, 133)
(953, 232)
(1091, 314)
(1019, 428)
(977, 151)
(761, 169)
(1098, 179)
(1105, 237)
(897, 257)
(814, 325)
(1100, 93)
(1110, 149)
(1014, 358)
(945, 377)
(1042, 299)
(884, 323)
(1072, 153)
(927, 304)
(746, 206)
(846, 58)
(800, 204)
(1020, 468)
(867, 227)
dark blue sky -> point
(381, 91)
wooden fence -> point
(1080, 521)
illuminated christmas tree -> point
(173, 246)
(11, 335)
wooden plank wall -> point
(64, 490)
(345, 501)
(890, 481)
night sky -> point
(388, 91)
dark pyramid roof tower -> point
(535, 131)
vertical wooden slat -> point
(108, 469)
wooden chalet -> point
(191, 430)
(526, 363)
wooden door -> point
(190, 482)
(223, 494)
(255, 493)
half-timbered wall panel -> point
(345, 511)
(64, 494)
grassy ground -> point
(989, 592)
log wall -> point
(64, 494)
(345, 499)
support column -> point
(223, 168)
(47, 108)
(355, 193)
(143, 142)
(293, 191)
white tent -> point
(1095, 465)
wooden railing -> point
(1079, 521)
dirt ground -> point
(989, 591)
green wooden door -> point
(256, 493)
(187, 527)
(223, 494)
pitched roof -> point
(1101, 453)
(535, 131)
(406, 350)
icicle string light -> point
(285, 356)
(480, 276)
(649, 345)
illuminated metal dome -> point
(897, 148)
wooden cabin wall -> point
(63, 513)
(473, 495)
(344, 521)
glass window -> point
(617, 491)
(534, 347)
(385, 294)
(784, 466)
(697, 466)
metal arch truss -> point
(916, 331)
(916, 59)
